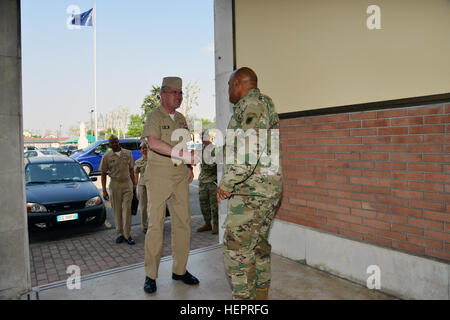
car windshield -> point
(54, 173)
(49, 152)
(89, 147)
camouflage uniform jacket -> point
(209, 171)
(263, 176)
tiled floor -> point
(98, 252)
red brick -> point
(377, 174)
(391, 166)
(425, 110)
(438, 254)
(439, 216)
(299, 202)
(349, 203)
(405, 157)
(289, 122)
(375, 156)
(315, 204)
(327, 214)
(363, 132)
(337, 163)
(349, 172)
(364, 213)
(407, 211)
(323, 155)
(337, 118)
(392, 148)
(406, 121)
(403, 175)
(393, 131)
(339, 209)
(324, 126)
(436, 157)
(375, 123)
(428, 224)
(349, 218)
(393, 201)
(445, 236)
(377, 206)
(407, 139)
(350, 140)
(363, 229)
(392, 218)
(391, 113)
(444, 178)
(327, 228)
(326, 199)
(351, 234)
(350, 187)
(364, 197)
(425, 242)
(348, 156)
(426, 148)
(363, 115)
(376, 140)
(337, 148)
(325, 141)
(377, 190)
(391, 235)
(407, 194)
(364, 181)
(377, 240)
(439, 138)
(361, 164)
(377, 224)
(407, 229)
(339, 179)
(437, 119)
(427, 167)
(338, 223)
(348, 125)
(408, 247)
(426, 129)
(434, 196)
(438, 206)
(447, 108)
(438, 187)
(362, 148)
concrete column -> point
(14, 248)
(224, 58)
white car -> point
(39, 153)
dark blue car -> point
(91, 156)
(58, 190)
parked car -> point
(67, 149)
(91, 156)
(41, 153)
(58, 190)
(28, 148)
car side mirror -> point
(98, 152)
(93, 178)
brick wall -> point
(376, 176)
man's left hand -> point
(222, 194)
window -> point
(130, 145)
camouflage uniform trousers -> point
(245, 245)
(208, 201)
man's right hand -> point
(105, 195)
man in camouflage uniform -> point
(253, 188)
(207, 190)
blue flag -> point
(84, 19)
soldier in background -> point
(253, 189)
(118, 163)
(139, 171)
(207, 191)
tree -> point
(137, 121)
(190, 98)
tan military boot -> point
(215, 229)
(206, 227)
(261, 293)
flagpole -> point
(95, 68)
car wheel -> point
(87, 168)
(101, 218)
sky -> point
(138, 43)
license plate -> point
(67, 217)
